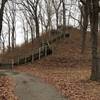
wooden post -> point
(60, 36)
(32, 57)
(39, 53)
(64, 34)
(18, 60)
(45, 50)
(42, 48)
(25, 60)
(51, 49)
(12, 63)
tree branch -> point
(83, 2)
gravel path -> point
(29, 87)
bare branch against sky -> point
(74, 17)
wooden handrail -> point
(37, 52)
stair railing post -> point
(12, 64)
(39, 53)
(45, 47)
(64, 34)
(18, 60)
(25, 60)
(32, 57)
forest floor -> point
(28, 87)
(67, 69)
(6, 87)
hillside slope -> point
(28, 49)
(67, 69)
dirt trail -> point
(29, 87)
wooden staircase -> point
(43, 51)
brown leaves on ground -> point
(67, 69)
(71, 82)
(6, 89)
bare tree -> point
(30, 22)
(7, 21)
(3, 2)
(64, 13)
(94, 17)
(48, 12)
(32, 8)
(25, 29)
(12, 15)
(56, 5)
(3, 40)
(85, 16)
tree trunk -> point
(1, 13)
(27, 33)
(64, 14)
(32, 34)
(37, 27)
(84, 28)
(3, 46)
(13, 38)
(9, 39)
(95, 74)
(57, 19)
(69, 18)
